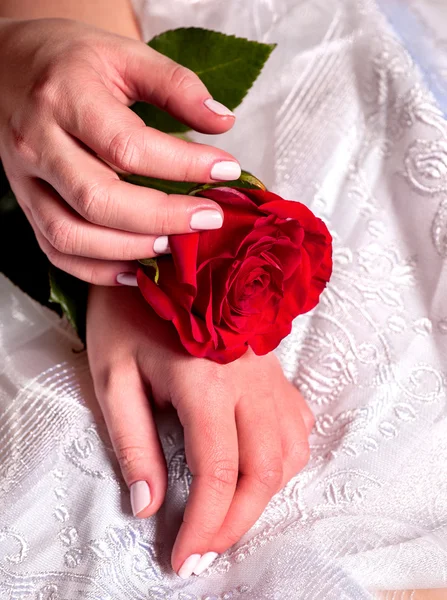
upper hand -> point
(246, 427)
(66, 88)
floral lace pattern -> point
(344, 120)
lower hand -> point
(246, 427)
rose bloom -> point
(242, 285)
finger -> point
(305, 412)
(176, 89)
(134, 436)
(294, 432)
(261, 471)
(121, 138)
(96, 193)
(212, 456)
(69, 234)
(97, 272)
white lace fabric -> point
(343, 120)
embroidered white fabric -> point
(343, 120)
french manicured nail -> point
(218, 108)
(205, 562)
(187, 568)
(127, 279)
(206, 219)
(161, 245)
(140, 496)
(226, 170)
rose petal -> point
(225, 242)
(260, 197)
(230, 196)
(267, 342)
(155, 296)
(184, 251)
(298, 211)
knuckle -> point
(92, 202)
(222, 475)
(52, 254)
(131, 456)
(163, 219)
(59, 233)
(44, 93)
(203, 532)
(123, 151)
(270, 473)
(109, 377)
(22, 143)
(91, 274)
(299, 454)
(187, 164)
(229, 537)
(181, 78)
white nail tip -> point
(161, 245)
(140, 496)
(127, 279)
(226, 170)
(187, 568)
(206, 560)
(206, 219)
(218, 108)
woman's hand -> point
(66, 88)
(246, 427)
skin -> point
(246, 427)
(64, 107)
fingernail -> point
(161, 245)
(127, 279)
(206, 219)
(217, 108)
(225, 170)
(187, 568)
(140, 497)
(205, 562)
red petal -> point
(287, 209)
(265, 343)
(230, 196)
(155, 296)
(225, 242)
(184, 250)
(260, 197)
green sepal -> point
(70, 294)
(151, 262)
(246, 180)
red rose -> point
(242, 285)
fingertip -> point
(219, 109)
(127, 279)
(140, 498)
(146, 497)
(217, 117)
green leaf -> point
(71, 295)
(151, 262)
(226, 64)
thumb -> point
(134, 436)
(156, 79)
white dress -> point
(343, 119)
